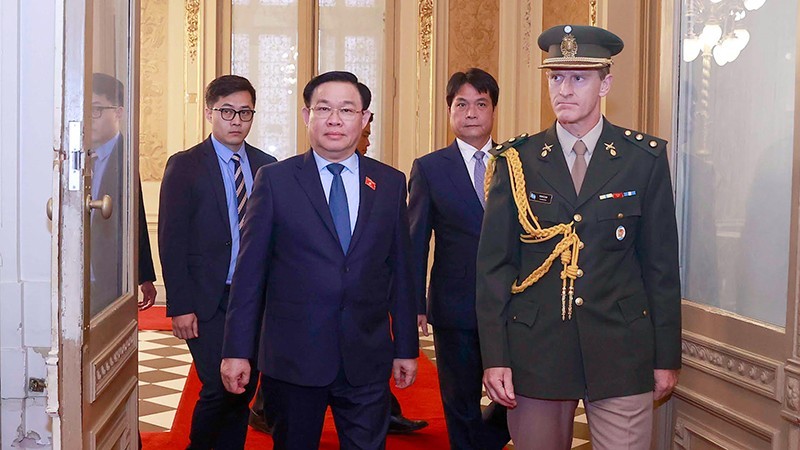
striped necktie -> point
(241, 190)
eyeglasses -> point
(229, 113)
(347, 114)
(97, 111)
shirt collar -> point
(567, 140)
(224, 152)
(350, 163)
(104, 151)
(468, 151)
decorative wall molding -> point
(526, 33)
(735, 418)
(593, 13)
(687, 429)
(153, 90)
(748, 370)
(110, 361)
(425, 29)
(791, 399)
(192, 27)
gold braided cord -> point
(567, 249)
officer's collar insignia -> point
(546, 149)
(569, 46)
(610, 148)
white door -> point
(93, 224)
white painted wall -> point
(27, 73)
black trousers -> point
(458, 361)
(361, 413)
(220, 418)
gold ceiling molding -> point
(192, 26)
(425, 29)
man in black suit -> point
(446, 197)
(322, 296)
(107, 154)
(578, 280)
(398, 423)
(203, 200)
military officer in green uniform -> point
(578, 290)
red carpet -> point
(155, 319)
(420, 401)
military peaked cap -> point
(578, 47)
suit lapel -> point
(603, 165)
(366, 168)
(462, 184)
(555, 170)
(215, 175)
(307, 175)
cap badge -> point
(569, 46)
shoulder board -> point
(651, 144)
(498, 149)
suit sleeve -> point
(174, 213)
(404, 314)
(249, 284)
(419, 212)
(497, 268)
(146, 270)
(657, 246)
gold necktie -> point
(579, 167)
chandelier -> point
(719, 22)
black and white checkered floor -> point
(164, 362)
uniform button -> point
(514, 318)
(620, 216)
(577, 217)
(639, 137)
(580, 245)
(653, 144)
(644, 313)
(628, 132)
(579, 301)
(580, 273)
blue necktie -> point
(480, 176)
(337, 202)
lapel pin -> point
(368, 181)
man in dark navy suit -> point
(322, 294)
(446, 199)
(203, 199)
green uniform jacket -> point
(629, 319)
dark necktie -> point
(241, 190)
(579, 167)
(480, 176)
(337, 202)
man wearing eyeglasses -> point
(203, 201)
(322, 294)
(107, 155)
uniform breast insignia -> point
(617, 195)
(620, 233)
(540, 197)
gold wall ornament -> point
(593, 13)
(425, 29)
(526, 35)
(192, 26)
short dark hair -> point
(481, 80)
(340, 76)
(109, 87)
(227, 85)
(604, 71)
